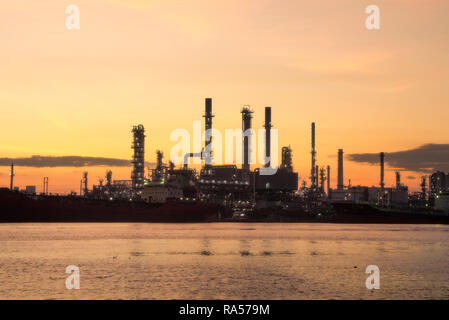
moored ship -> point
(17, 207)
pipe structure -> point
(328, 180)
(313, 177)
(286, 162)
(208, 131)
(322, 179)
(191, 155)
(340, 170)
(246, 128)
(267, 136)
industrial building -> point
(160, 193)
(375, 195)
(31, 190)
(240, 185)
(442, 202)
(438, 183)
(227, 185)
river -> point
(223, 260)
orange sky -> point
(153, 62)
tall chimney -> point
(208, 131)
(316, 177)
(382, 169)
(246, 125)
(398, 179)
(328, 180)
(340, 169)
(313, 177)
(11, 186)
(268, 136)
(46, 185)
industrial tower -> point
(137, 175)
(11, 186)
(208, 132)
(267, 127)
(246, 128)
(314, 175)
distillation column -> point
(138, 161)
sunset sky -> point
(78, 92)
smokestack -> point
(340, 170)
(328, 180)
(268, 136)
(316, 176)
(11, 186)
(382, 169)
(313, 176)
(46, 185)
(208, 131)
(398, 179)
(246, 125)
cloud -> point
(67, 161)
(426, 158)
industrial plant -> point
(237, 189)
(240, 192)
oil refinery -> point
(238, 192)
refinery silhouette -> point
(230, 192)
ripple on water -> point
(137, 253)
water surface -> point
(223, 260)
